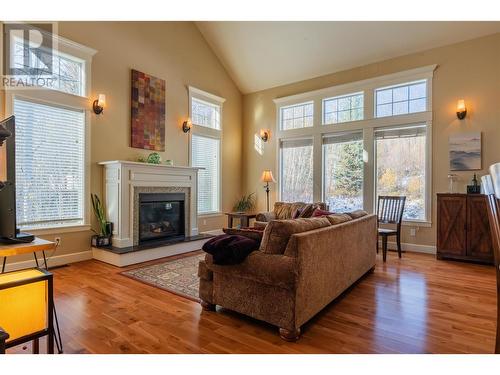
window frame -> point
(323, 107)
(303, 117)
(63, 99)
(205, 131)
(366, 126)
(392, 87)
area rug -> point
(178, 276)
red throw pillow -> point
(318, 212)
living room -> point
(255, 186)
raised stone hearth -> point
(124, 182)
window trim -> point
(204, 131)
(60, 98)
(367, 126)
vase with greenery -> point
(245, 203)
(103, 236)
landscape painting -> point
(148, 112)
(465, 151)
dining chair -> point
(390, 211)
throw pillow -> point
(319, 212)
(252, 233)
(357, 214)
(338, 218)
(228, 249)
(308, 210)
(278, 232)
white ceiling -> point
(260, 55)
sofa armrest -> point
(270, 269)
(4, 336)
(265, 216)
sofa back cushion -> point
(287, 210)
(338, 218)
(278, 232)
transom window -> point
(205, 114)
(401, 99)
(343, 108)
(297, 116)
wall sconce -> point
(461, 109)
(264, 135)
(99, 104)
(186, 126)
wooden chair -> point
(494, 219)
(390, 211)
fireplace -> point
(161, 216)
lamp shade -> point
(267, 176)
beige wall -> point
(469, 70)
(177, 53)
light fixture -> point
(461, 109)
(99, 104)
(264, 135)
(186, 126)
(267, 177)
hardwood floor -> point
(411, 305)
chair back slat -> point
(390, 209)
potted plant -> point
(103, 236)
(245, 203)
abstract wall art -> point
(148, 112)
(465, 151)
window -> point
(67, 71)
(401, 99)
(206, 154)
(206, 139)
(50, 161)
(297, 116)
(343, 109)
(401, 167)
(205, 114)
(296, 172)
(343, 171)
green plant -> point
(154, 158)
(100, 215)
(245, 203)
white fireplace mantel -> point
(122, 177)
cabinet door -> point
(478, 235)
(451, 223)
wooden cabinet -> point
(463, 230)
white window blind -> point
(50, 158)
(206, 154)
(205, 114)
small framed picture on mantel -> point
(465, 151)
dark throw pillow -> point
(252, 233)
(229, 249)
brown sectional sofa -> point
(301, 266)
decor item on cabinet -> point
(475, 188)
(148, 112)
(103, 237)
(461, 109)
(463, 231)
(452, 179)
(465, 151)
(99, 103)
(267, 177)
(169, 162)
(154, 158)
(245, 203)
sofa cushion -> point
(357, 214)
(252, 233)
(318, 212)
(338, 218)
(284, 210)
(278, 232)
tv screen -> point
(8, 177)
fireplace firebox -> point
(161, 216)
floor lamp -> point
(267, 177)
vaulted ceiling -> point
(261, 55)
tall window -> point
(296, 172)
(206, 115)
(400, 162)
(343, 171)
(343, 109)
(297, 116)
(50, 162)
(401, 99)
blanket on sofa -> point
(229, 249)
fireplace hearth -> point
(161, 216)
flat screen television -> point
(8, 227)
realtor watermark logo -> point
(28, 59)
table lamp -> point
(267, 177)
